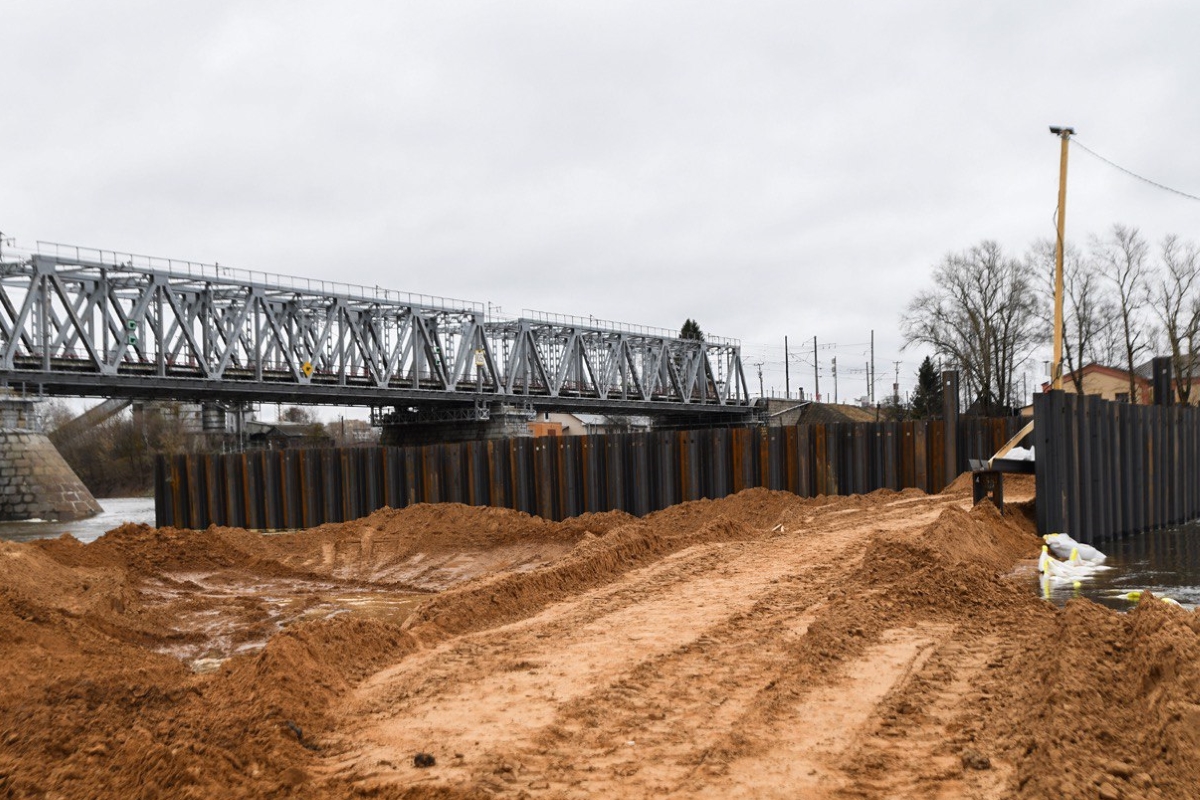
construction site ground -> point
(762, 645)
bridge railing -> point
(594, 323)
(222, 274)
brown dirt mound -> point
(762, 645)
(961, 563)
(960, 486)
(31, 576)
(432, 546)
(980, 537)
(143, 550)
(594, 561)
(93, 716)
(1096, 697)
(1017, 486)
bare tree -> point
(1175, 298)
(983, 316)
(1110, 343)
(1088, 310)
(298, 414)
(1122, 258)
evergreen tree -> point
(927, 399)
(691, 330)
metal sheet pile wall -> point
(560, 477)
(1108, 469)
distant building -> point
(1109, 383)
(562, 424)
(544, 427)
(286, 435)
(1112, 383)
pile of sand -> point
(1060, 702)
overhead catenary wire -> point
(1075, 141)
(768, 356)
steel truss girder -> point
(569, 360)
(70, 323)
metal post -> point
(787, 377)
(1161, 367)
(816, 373)
(950, 418)
(871, 372)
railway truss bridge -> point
(83, 322)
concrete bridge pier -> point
(35, 481)
(413, 426)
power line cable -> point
(1133, 174)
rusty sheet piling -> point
(561, 477)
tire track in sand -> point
(810, 732)
(916, 745)
(679, 658)
(501, 686)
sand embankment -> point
(762, 645)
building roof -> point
(1142, 372)
(1099, 369)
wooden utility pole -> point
(1056, 364)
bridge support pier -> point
(414, 427)
(35, 481)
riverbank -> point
(117, 511)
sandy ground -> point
(887, 646)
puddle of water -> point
(222, 614)
(218, 615)
(116, 512)
(1165, 562)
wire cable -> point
(1133, 174)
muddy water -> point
(116, 512)
(1164, 562)
(219, 615)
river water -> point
(1165, 562)
(117, 511)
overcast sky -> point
(770, 169)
